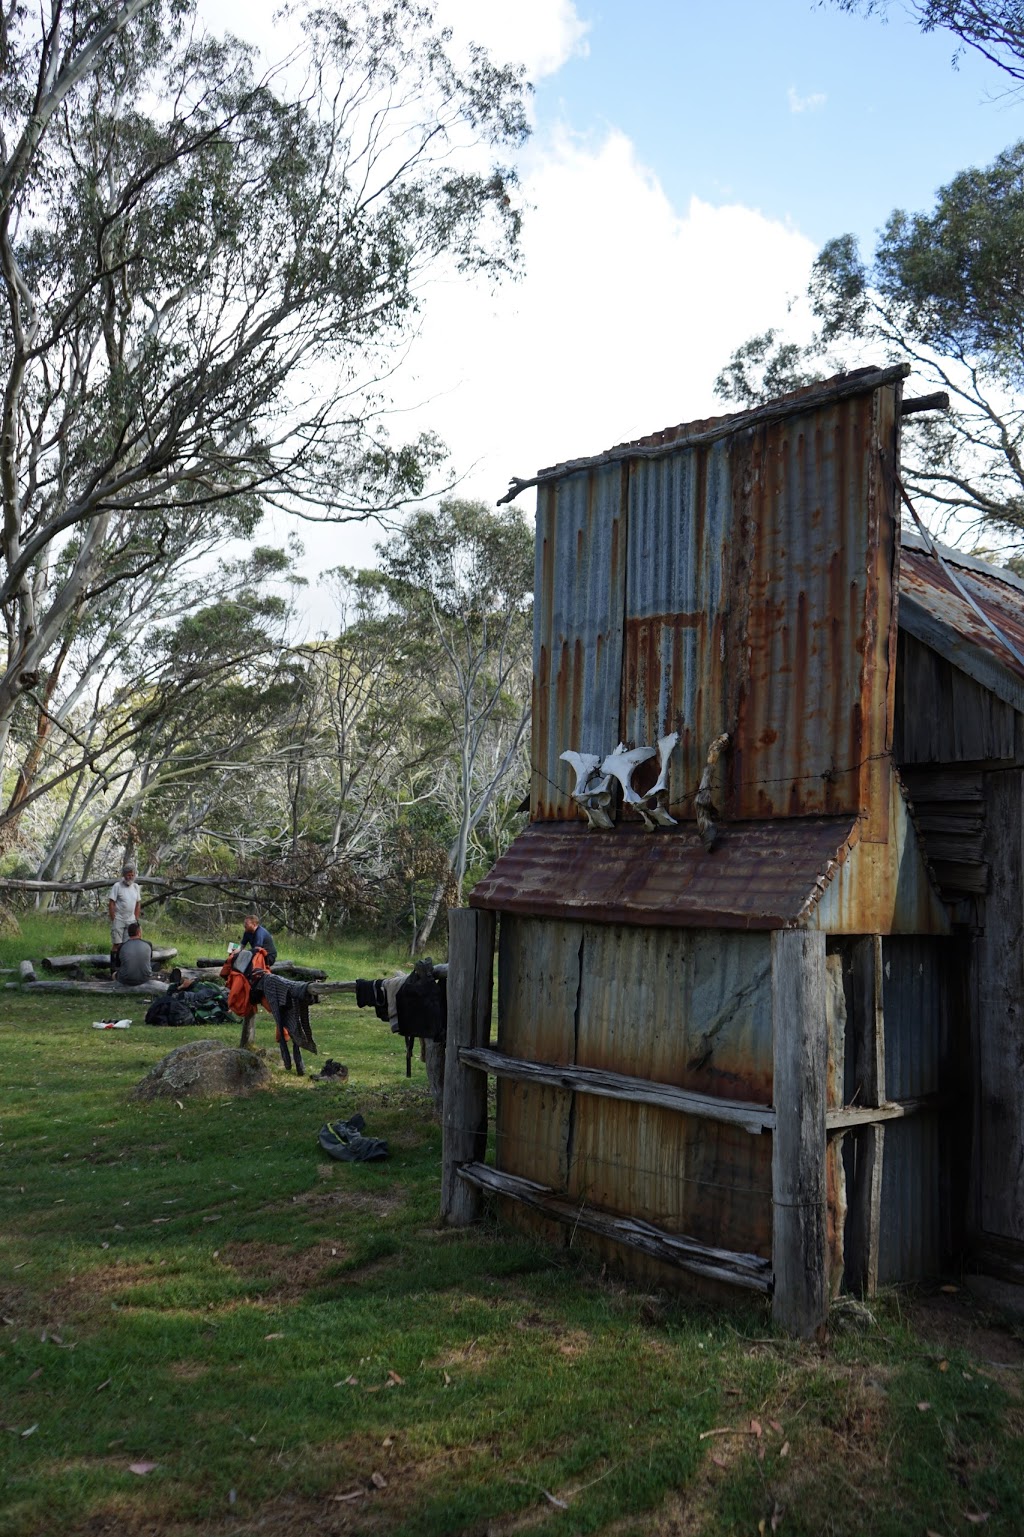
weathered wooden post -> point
(800, 1051)
(869, 1038)
(464, 1127)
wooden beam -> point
(868, 1019)
(748, 1270)
(643, 1091)
(799, 1195)
(844, 1117)
(865, 1212)
(869, 1147)
(470, 987)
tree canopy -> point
(945, 291)
(204, 269)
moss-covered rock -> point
(203, 1069)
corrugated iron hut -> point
(730, 1040)
(959, 740)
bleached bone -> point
(591, 793)
(596, 804)
(622, 765)
(666, 747)
(585, 764)
(653, 806)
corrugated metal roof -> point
(932, 610)
(736, 576)
(761, 875)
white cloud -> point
(542, 34)
(812, 103)
(625, 313)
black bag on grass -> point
(344, 1140)
(169, 1009)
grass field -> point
(210, 1328)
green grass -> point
(199, 1288)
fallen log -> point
(27, 970)
(150, 989)
(280, 968)
(336, 987)
(69, 962)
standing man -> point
(254, 934)
(124, 906)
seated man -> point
(254, 934)
(135, 958)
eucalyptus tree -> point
(170, 735)
(944, 290)
(992, 28)
(204, 272)
(461, 580)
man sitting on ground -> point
(254, 934)
(135, 959)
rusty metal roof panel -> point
(932, 610)
(761, 875)
(577, 663)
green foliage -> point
(191, 250)
(762, 368)
(943, 290)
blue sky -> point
(787, 106)
(687, 162)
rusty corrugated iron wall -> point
(744, 583)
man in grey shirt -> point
(135, 958)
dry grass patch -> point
(378, 1204)
(288, 1270)
(188, 1371)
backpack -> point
(208, 1003)
(422, 1007)
(169, 1009)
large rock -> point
(202, 1069)
(10, 928)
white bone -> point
(585, 764)
(622, 765)
(666, 747)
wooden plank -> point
(846, 1117)
(747, 1270)
(999, 961)
(589, 1080)
(470, 988)
(799, 1194)
(865, 1214)
(978, 662)
(868, 1022)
